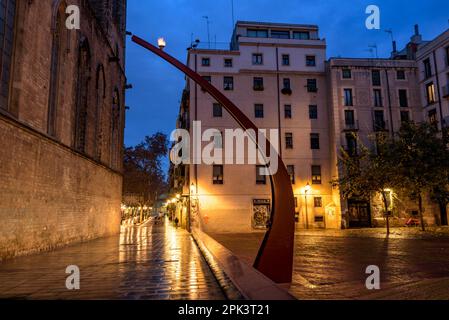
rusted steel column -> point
(275, 257)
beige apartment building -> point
(278, 75)
(433, 77)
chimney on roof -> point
(417, 38)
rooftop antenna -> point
(371, 50)
(374, 47)
(208, 29)
(233, 16)
(390, 31)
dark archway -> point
(275, 258)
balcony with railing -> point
(380, 125)
(350, 126)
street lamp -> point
(161, 43)
(307, 189)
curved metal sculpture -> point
(275, 257)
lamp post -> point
(161, 43)
(306, 191)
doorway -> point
(359, 214)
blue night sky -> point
(154, 101)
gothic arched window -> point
(100, 96)
(59, 44)
(7, 17)
(82, 95)
(115, 129)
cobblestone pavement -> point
(151, 262)
(332, 264)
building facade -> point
(432, 60)
(371, 97)
(61, 123)
(278, 75)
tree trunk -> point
(141, 214)
(443, 213)
(386, 212)
(421, 215)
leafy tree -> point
(368, 172)
(422, 162)
(143, 174)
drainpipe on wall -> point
(389, 103)
(279, 101)
(196, 118)
(438, 89)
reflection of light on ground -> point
(172, 256)
(193, 277)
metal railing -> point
(351, 126)
(380, 125)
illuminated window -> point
(430, 93)
(291, 173)
(316, 174)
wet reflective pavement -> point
(150, 262)
(332, 264)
